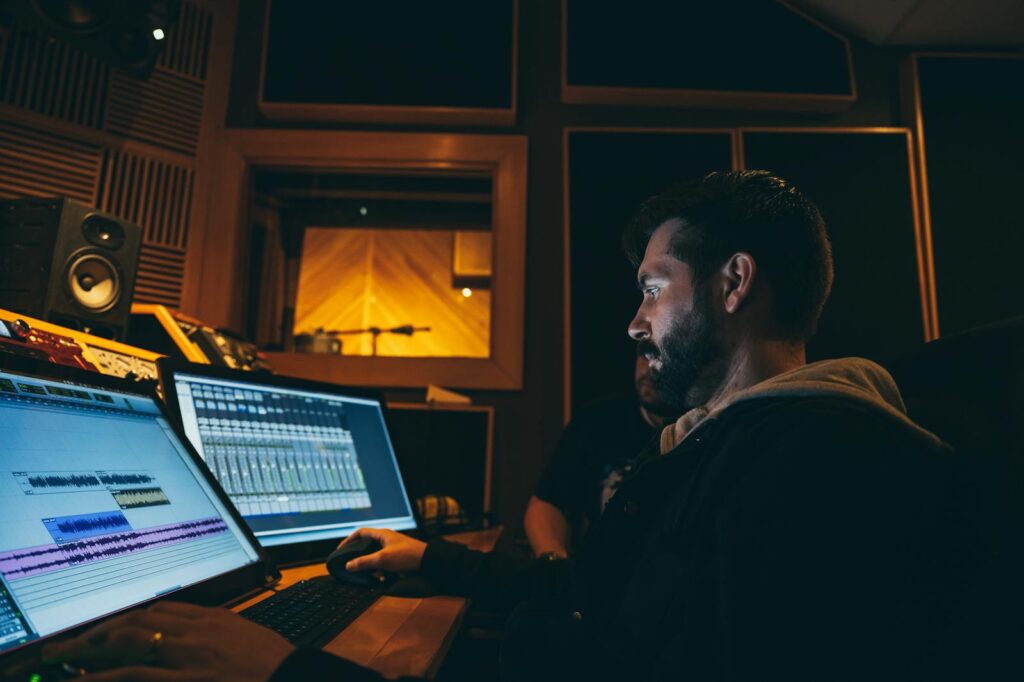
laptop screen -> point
(300, 465)
(103, 507)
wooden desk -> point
(397, 636)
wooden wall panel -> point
(188, 45)
(355, 278)
(38, 163)
(165, 110)
(863, 182)
(80, 128)
(155, 195)
(161, 270)
(609, 172)
(967, 109)
(53, 79)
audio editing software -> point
(278, 453)
(102, 508)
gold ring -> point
(154, 646)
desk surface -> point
(397, 636)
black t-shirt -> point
(600, 442)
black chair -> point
(969, 390)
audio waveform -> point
(40, 482)
(140, 497)
(68, 528)
(30, 561)
(124, 478)
(62, 481)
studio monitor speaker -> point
(69, 264)
(128, 34)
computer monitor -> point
(104, 507)
(302, 461)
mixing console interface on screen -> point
(278, 453)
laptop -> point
(305, 463)
(104, 508)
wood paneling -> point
(730, 54)
(504, 157)
(608, 173)
(153, 194)
(966, 110)
(357, 278)
(187, 51)
(161, 269)
(863, 181)
(164, 110)
(53, 79)
(38, 163)
(126, 145)
(156, 196)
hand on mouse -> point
(172, 641)
(399, 553)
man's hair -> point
(755, 212)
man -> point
(797, 525)
(590, 461)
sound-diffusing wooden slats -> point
(160, 275)
(150, 193)
(357, 278)
(155, 195)
(38, 163)
(53, 79)
(188, 42)
(164, 110)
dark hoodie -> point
(802, 529)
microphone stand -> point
(404, 330)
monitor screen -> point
(103, 507)
(300, 465)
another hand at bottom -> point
(172, 641)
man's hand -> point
(400, 553)
(172, 641)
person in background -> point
(601, 444)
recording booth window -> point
(371, 263)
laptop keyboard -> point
(312, 612)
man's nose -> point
(639, 328)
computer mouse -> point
(337, 560)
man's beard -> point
(691, 357)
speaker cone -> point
(93, 282)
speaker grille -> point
(38, 163)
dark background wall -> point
(528, 422)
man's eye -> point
(650, 291)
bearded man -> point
(798, 524)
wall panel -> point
(609, 172)
(862, 180)
(83, 129)
(968, 112)
(39, 163)
(53, 79)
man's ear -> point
(738, 275)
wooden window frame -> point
(391, 114)
(922, 228)
(707, 99)
(215, 292)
